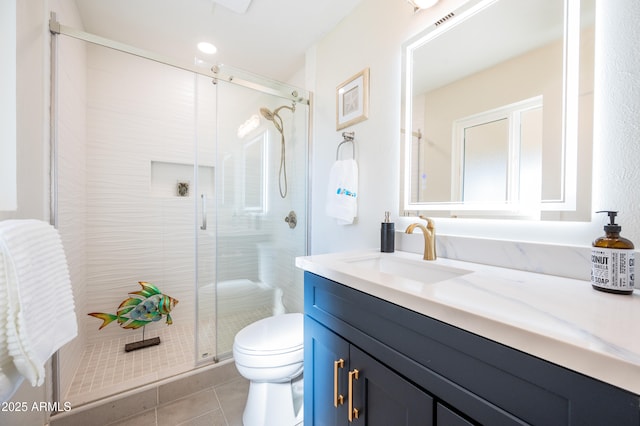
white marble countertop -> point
(561, 320)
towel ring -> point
(347, 137)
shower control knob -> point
(291, 219)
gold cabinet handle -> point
(353, 412)
(337, 398)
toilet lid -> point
(277, 333)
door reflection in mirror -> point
(497, 155)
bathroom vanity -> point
(392, 339)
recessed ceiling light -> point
(206, 47)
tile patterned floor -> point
(216, 406)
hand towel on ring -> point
(342, 192)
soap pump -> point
(387, 235)
(612, 260)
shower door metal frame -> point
(215, 73)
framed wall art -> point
(352, 100)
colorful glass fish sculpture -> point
(144, 306)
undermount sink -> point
(426, 272)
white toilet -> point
(269, 353)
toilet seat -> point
(272, 335)
(268, 362)
(270, 342)
(275, 352)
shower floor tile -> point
(106, 369)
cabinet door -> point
(323, 351)
(382, 397)
(446, 417)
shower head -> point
(266, 113)
(270, 115)
(273, 117)
(277, 122)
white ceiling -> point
(270, 39)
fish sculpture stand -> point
(154, 341)
(141, 308)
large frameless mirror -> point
(497, 112)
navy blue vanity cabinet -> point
(415, 370)
(326, 358)
(350, 386)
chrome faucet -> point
(429, 232)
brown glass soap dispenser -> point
(612, 260)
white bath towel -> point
(342, 192)
(37, 316)
(10, 379)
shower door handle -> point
(204, 212)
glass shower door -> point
(259, 233)
(205, 217)
(167, 178)
(126, 212)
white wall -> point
(8, 195)
(617, 109)
(31, 112)
(371, 37)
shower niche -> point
(176, 179)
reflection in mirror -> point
(497, 111)
(254, 169)
(492, 150)
(485, 162)
(227, 195)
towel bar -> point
(347, 137)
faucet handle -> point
(430, 223)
